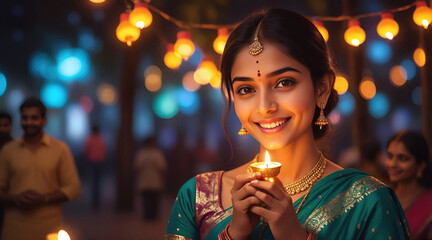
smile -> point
(272, 126)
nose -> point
(390, 162)
(267, 102)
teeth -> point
(272, 125)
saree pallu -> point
(346, 204)
(419, 216)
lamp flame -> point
(63, 235)
(267, 158)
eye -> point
(245, 90)
(285, 82)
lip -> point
(271, 126)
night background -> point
(67, 53)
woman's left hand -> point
(279, 211)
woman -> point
(276, 69)
(408, 167)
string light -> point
(171, 59)
(140, 16)
(387, 27)
(205, 72)
(184, 45)
(419, 57)
(220, 41)
(125, 31)
(320, 26)
(422, 15)
(354, 35)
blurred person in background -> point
(370, 160)
(150, 166)
(95, 153)
(408, 166)
(5, 137)
(37, 174)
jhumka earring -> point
(243, 131)
(256, 47)
(321, 120)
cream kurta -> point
(51, 167)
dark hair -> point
(6, 115)
(299, 39)
(417, 146)
(34, 102)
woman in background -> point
(408, 166)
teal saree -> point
(346, 204)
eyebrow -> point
(272, 74)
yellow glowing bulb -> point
(63, 235)
(324, 33)
(220, 41)
(422, 15)
(341, 85)
(387, 27)
(419, 57)
(398, 76)
(184, 46)
(140, 16)
(171, 59)
(367, 88)
(354, 35)
(125, 31)
(267, 157)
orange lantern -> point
(171, 59)
(184, 46)
(387, 27)
(354, 35)
(220, 40)
(125, 31)
(140, 16)
(422, 15)
(205, 72)
(320, 26)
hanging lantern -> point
(419, 57)
(354, 35)
(184, 46)
(220, 40)
(205, 72)
(125, 31)
(140, 16)
(320, 26)
(422, 15)
(387, 27)
(171, 59)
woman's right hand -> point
(243, 198)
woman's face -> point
(400, 164)
(273, 96)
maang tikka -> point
(256, 47)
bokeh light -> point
(379, 51)
(367, 88)
(410, 68)
(335, 117)
(143, 122)
(87, 41)
(379, 105)
(189, 82)
(54, 95)
(153, 70)
(165, 104)
(77, 122)
(346, 104)
(419, 57)
(107, 94)
(14, 98)
(153, 82)
(188, 102)
(86, 103)
(398, 76)
(416, 95)
(73, 64)
(341, 84)
(401, 119)
(167, 138)
(42, 66)
(3, 84)
(74, 18)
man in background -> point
(37, 174)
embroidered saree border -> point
(175, 237)
(208, 212)
(341, 204)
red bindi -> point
(259, 74)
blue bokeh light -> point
(401, 119)
(188, 102)
(54, 95)
(379, 51)
(143, 122)
(3, 84)
(165, 104)
(167, 138)
(379, 105)
(55, 124)
(416, 95)
(14, 98)
(410, 68)
(74, 18)
(346, 104)
(77, 122)
(42, 66)
(73, 64)
(88, 41)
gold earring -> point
(321, 120)
(243, 131)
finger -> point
(243, 179)
(261, 211)
(242, 193)
(267, 199)
(273, 188)
(245, 204)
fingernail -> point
(258, 174)
(254, 182)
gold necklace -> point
(309, 179)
